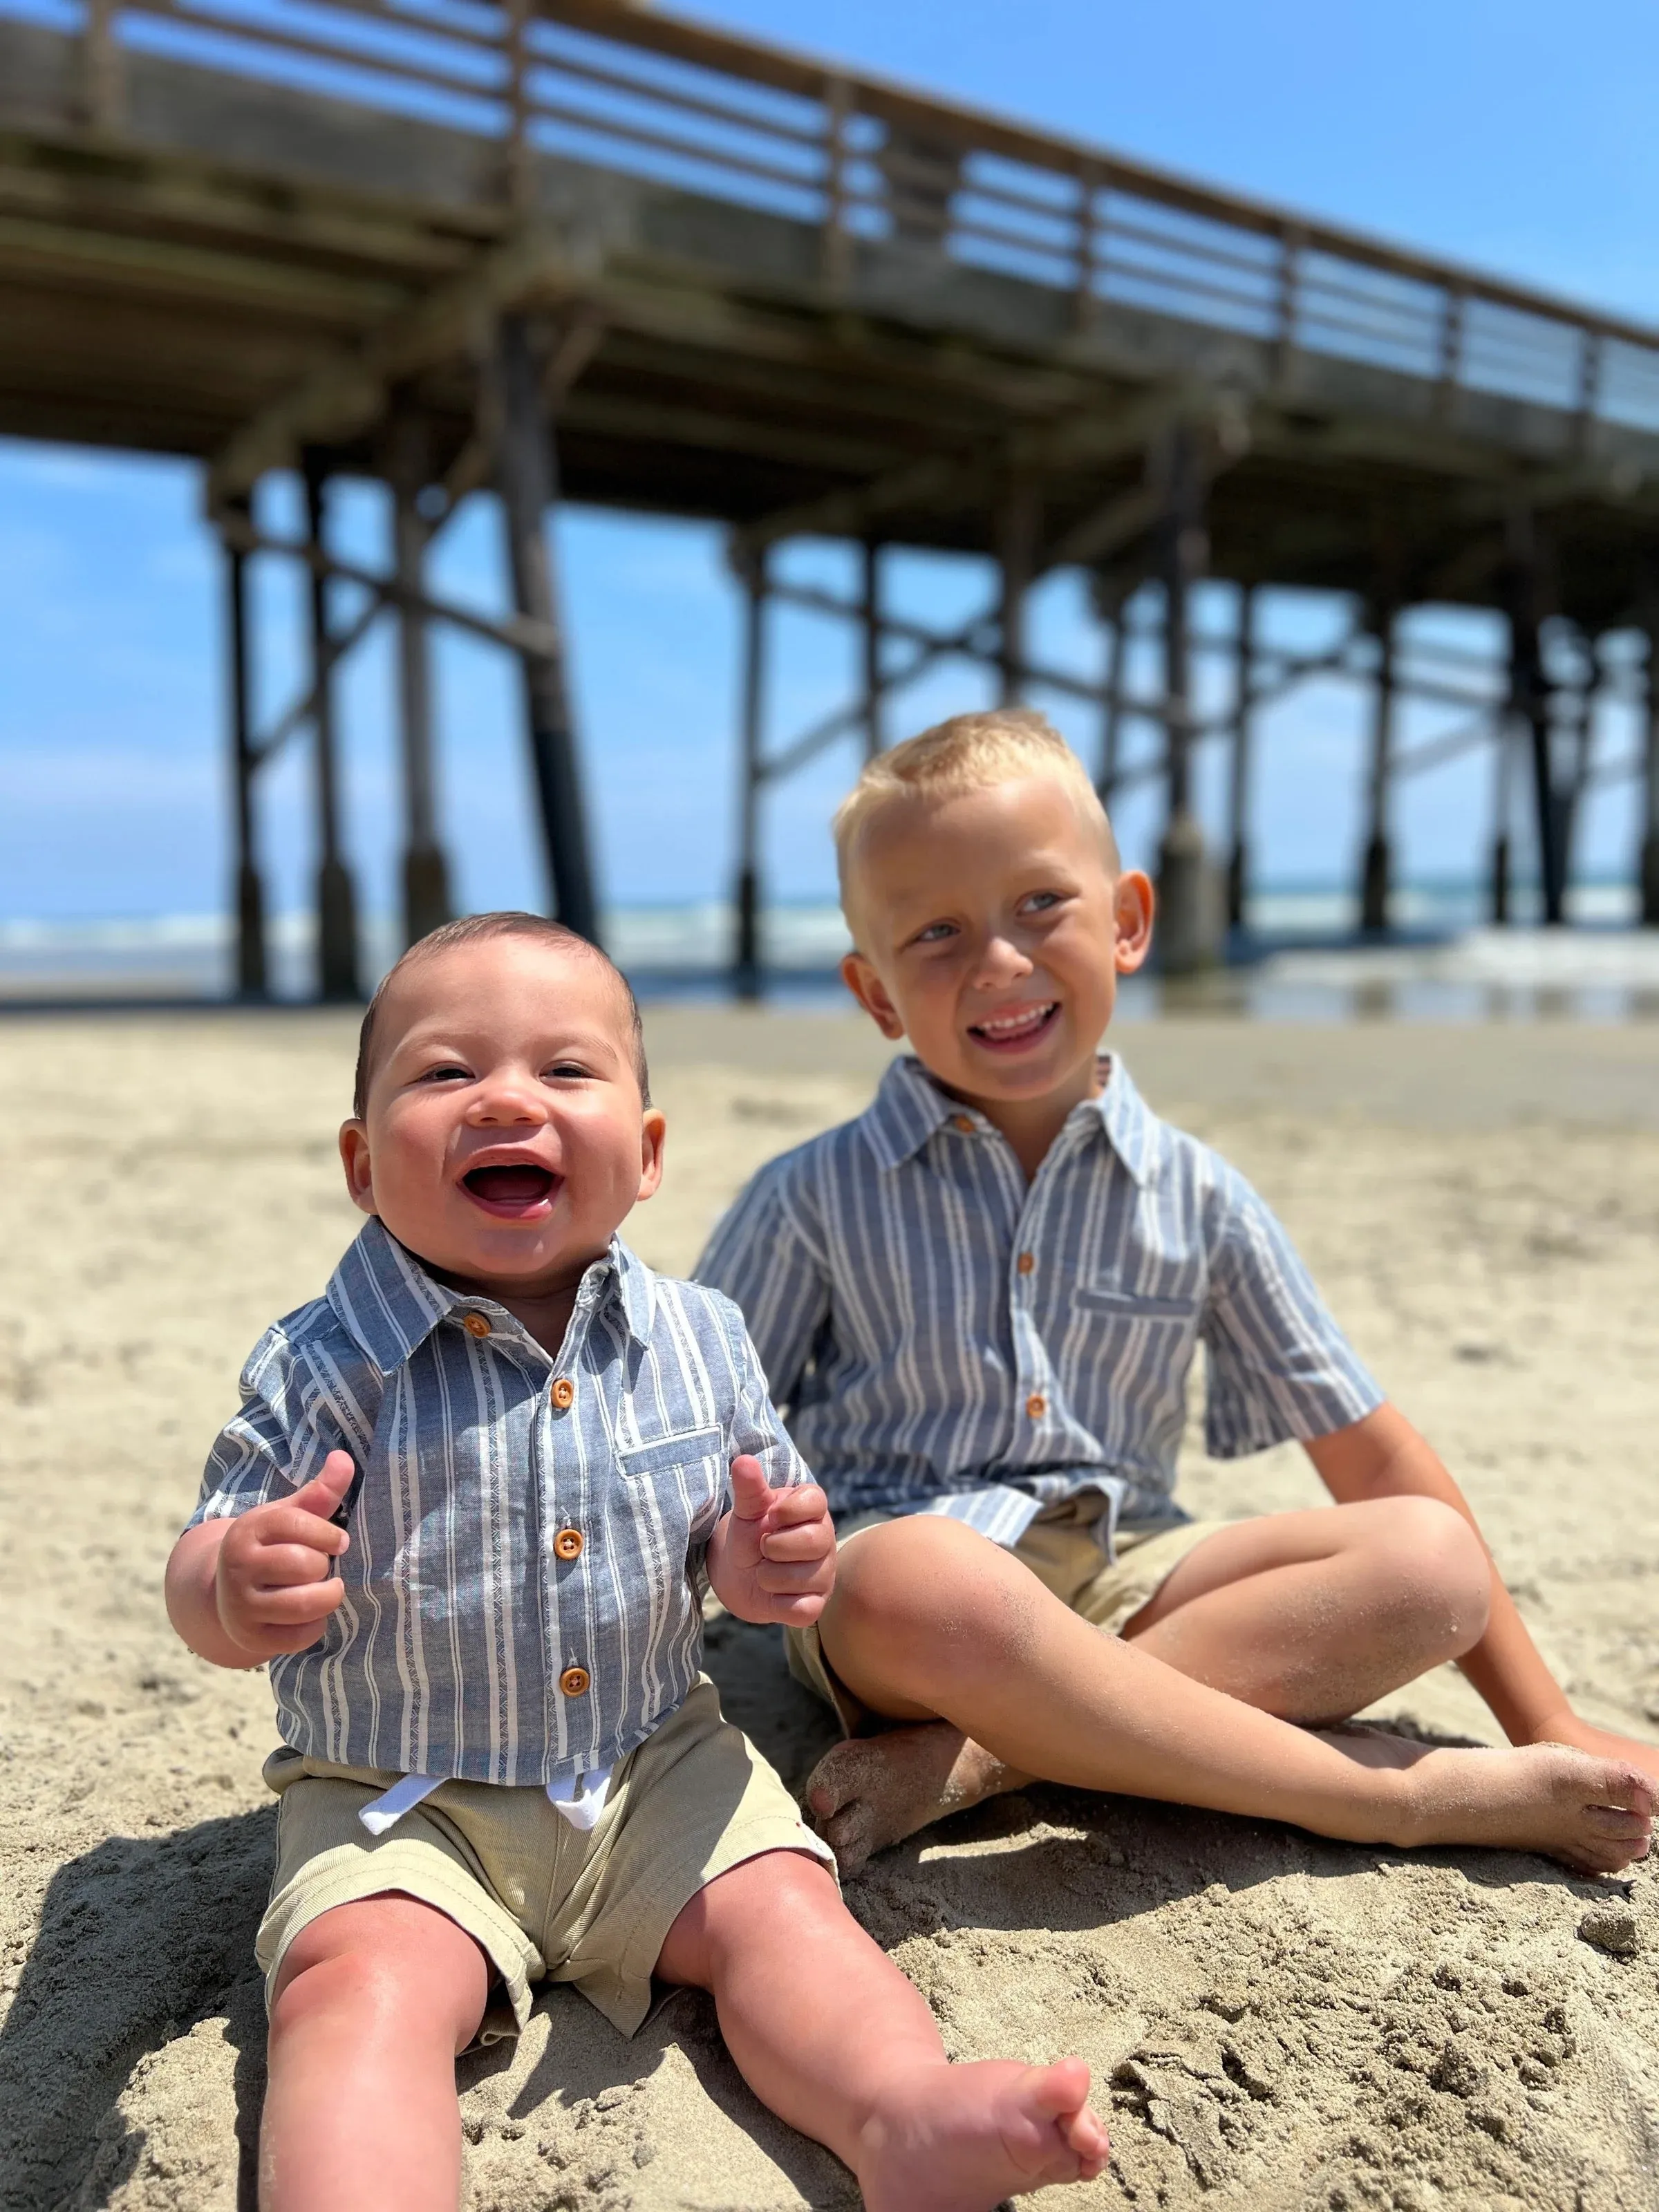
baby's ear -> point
(359, 1172)
(654, 1131)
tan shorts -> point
(542, 1900)
(1061, 1549)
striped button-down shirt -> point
(473, 1641)
(945, 1337)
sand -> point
(1273, 2021)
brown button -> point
(1037, 1404)
(564, 1394)
(567, 1544)
(574, 1681)
(961, 1121)
(476, 1324)
(1026, 1262)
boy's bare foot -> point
(877, 1789)
(961, 2138)
(1594, 1813)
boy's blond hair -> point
(970, 752)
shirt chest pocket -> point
(1139, 1346)
(684, 1477)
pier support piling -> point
(1109, 596)
(528, 479)
(1648, 855)
(1188, 910)
(252, 980)
(1239, 793)
(1529, 706)
(746, 899)
(870, 638)
(339, 975)
(1377, 869)
(1019, 524)
(425, 872)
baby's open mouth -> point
(1021, 1026)
(516, 1190)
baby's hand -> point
(274, 1583)
(773, 1556)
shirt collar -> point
(909, 1106)
(389, 1304)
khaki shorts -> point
(1060, 1549)
(544, 1900)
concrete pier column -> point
(1530, 708)
(252, 980)
(338, 974)
(1110, 597)
(1019, 524)
(1647, 858)
(425, 872)
(1377, 867)
(1188, 923)
(870, 635)
(1239, 793)
(746, 895)
(528, 482)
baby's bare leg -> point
(1313, 1615)
(373, 2002)
(828, 2033)
(930, 1620)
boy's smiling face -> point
(504, 1137)
(991, 929)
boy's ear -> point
(653, 1129)
(1132, 904)
(867, 987)
(354, 1158)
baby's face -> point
(991, 931)
(504, 1137)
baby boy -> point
(467, 1512)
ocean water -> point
(1300, 962)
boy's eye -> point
(569, 1069)
(451, 1073)
(935, 934)
(1042, 902)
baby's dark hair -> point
(471, 929)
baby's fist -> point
(772, 1558)
(274, 1583)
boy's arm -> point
(767, 1256)
(771, 1556)
(1383, 1456)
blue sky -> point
(1503, 136)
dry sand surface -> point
(1273, 2021)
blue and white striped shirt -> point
(944, 1338)
(464, 1616)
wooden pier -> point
(580, 250)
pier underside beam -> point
(746, 901)
(1648, 855)
(528, 485)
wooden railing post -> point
(100, 99)
(1291, 247)
(836, 249)
(518, 179)
(1449, 368)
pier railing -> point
(858, 158)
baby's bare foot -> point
(877, 1789)
(961, 2138)
(1594, 1813)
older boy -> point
(501, 1762)
(978, 1305)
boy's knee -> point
(1441, 1567)
(397, 1969)
(931, 1598)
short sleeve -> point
(1279, 1369)
(275, 1443)
(764, 1256)
(756, 1425)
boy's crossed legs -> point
(374, 1999)
(1298, 1617)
